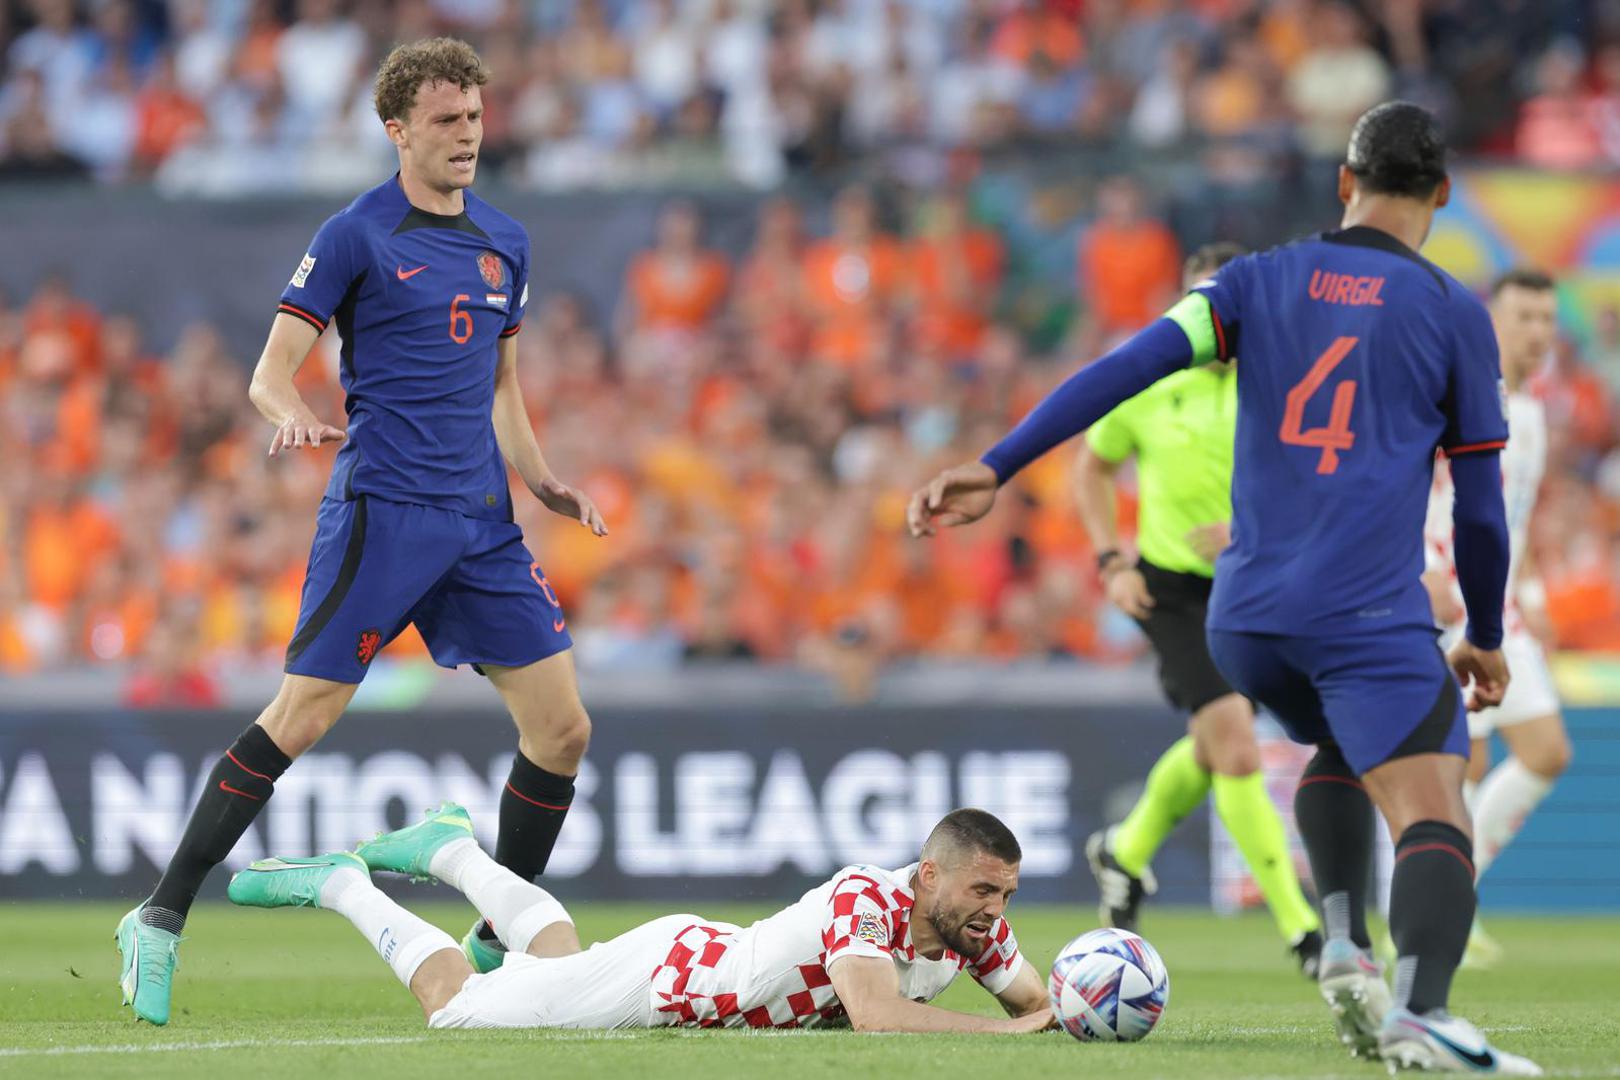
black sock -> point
(1336, 822)
(1431, 908)
(237, 790)
(533, 806)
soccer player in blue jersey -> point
(427, 285)
(1359, 361)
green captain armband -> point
(1197, 319)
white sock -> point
(399, 937)
(1505, 800)
(517, 909)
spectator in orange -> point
(956, 271)
(165, 118)
(53, 310)
(1130, 264)
(63, 536)
(1033, 27)
(770, 295)
(678, 285)
(853, 280)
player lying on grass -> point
(1180, 431)
(870, 947)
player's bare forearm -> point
(521, 449)
(1026, 995)
(272, 391)
(869, 990)
(513, 432)
(1094, 498)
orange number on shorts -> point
(1337, 435)
(545, 586)
(461, 320)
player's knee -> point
(557, 738)
(1550, 759)
(1224, 732)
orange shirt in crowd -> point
(78, 322)
(956, 278)
(59, 546)
(165, 119)
(1129, 273)
(1052, 32)
(674, 295)
(851, 291)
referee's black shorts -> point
(1175, 627)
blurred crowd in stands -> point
(221, 96)
(749, 426)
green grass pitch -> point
(298, 994)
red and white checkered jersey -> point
(774, 973)
(1524, 460)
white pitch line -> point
(229, 1044)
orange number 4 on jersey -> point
(1336, 436)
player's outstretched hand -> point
(303, 430)
(956, 496)
(1485, 669)
(559, 498)
(1127, 590)
(1042, 1019)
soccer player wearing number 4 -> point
(427, 285)
(1180, 432)
(869, 948)
(1359, 359)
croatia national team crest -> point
(494, 271)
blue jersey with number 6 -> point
(420, 301)
(1359, 360)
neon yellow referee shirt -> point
(1181, 430)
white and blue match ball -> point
(1108, 986)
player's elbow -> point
(868, 1016)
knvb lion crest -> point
(367, 647)
(492, 269)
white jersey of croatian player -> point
(1524, 460)
(774, 973)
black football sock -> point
(1336, 822)
(237, 789)
(1431, 909)
(533, 806)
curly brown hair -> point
(408, 67)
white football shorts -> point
(608, 985)
(1531, 692)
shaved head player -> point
(426, 284)
(869, 948)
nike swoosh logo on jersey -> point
(557, 625)
(406, 275)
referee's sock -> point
(1336, 822)
(1175, 787)
(1245, 808)
(241, 783)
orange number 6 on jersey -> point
(461, 325)
(1337, 435)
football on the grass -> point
(1108, 986)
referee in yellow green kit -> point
(1181, 431)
